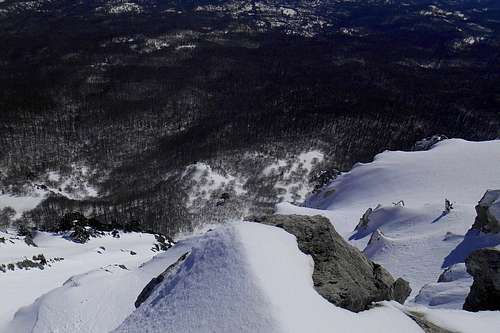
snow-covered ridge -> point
(416, 238)
(251, 289)
(248, 277)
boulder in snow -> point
(484, 266)
(427, 143)
(342, 274)
(488, 212)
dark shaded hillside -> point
(138, 95)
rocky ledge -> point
(484, 266)
(488, 212)
(342, 274)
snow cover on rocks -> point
(419, 239)
(449, 292)
(247, 277)
(236, 280)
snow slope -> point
(236, 280)
(22, 287)
(418, 240)
(95, 301)
(248, 277)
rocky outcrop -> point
(427, 143)
(364, 220)
(484, 266)
(151, 286)
(342, 274)
(488, 212)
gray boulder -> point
(484, 266)
(342, 274)
(427, 143)
(488, 212)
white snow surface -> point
(23, 203)
(236, 279)
(418, 240)
(21, 288)
(450, 293)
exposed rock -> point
(342, 274)
(488, 212)
(400, 290)
(427, 143)
(164, 242)
(150, 287)
(363, 221)
(425, 324)
(484, 266)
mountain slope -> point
(418, 240)
(237, 279)
(66, 259)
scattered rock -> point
(163, 243)
(488, 212)
(427, 143)
(400, 290)
(484, 266)
(40, 258)
(342, 274)
(364, 220)
(28, 264)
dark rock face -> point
(484, 266)
(342, 274)
(488, 212)
(150, 287)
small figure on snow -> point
(448, 206)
